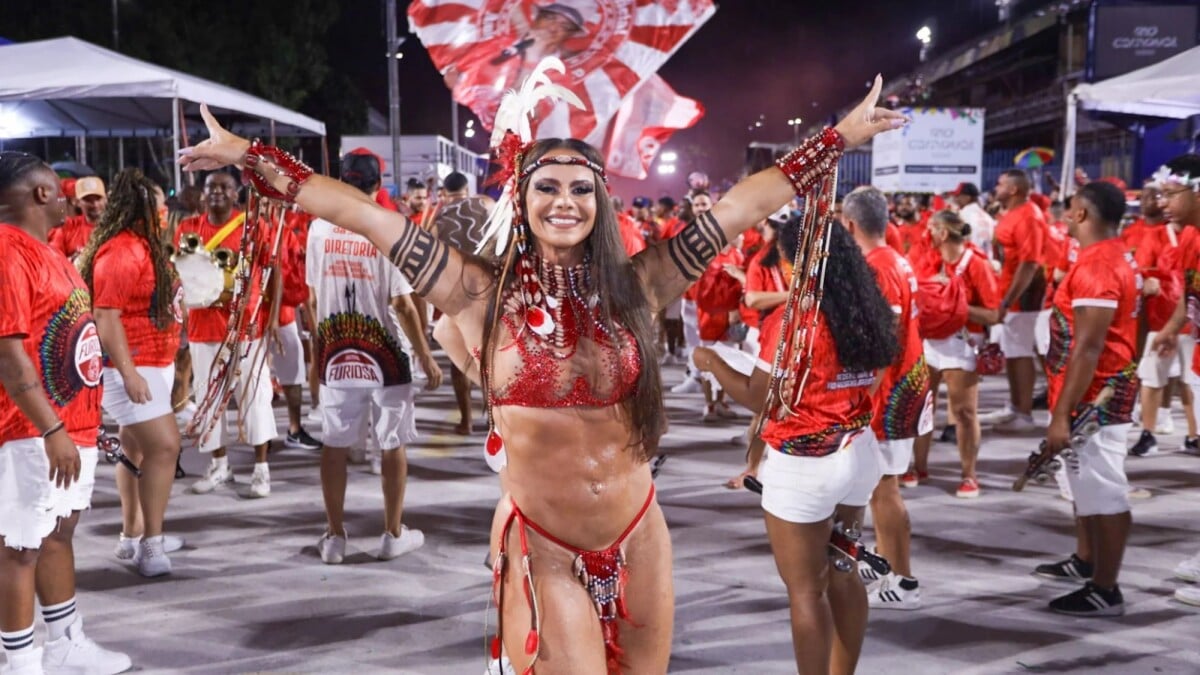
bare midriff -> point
(572, 472)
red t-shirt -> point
(670, 227)
(72, 236)
(123, 279)
(983, 288)
(631, 235)
(714, 325)
(834, 402)
(1104, 276)
(910, 237)
(892, 237)
(44, 301)
(902, 401)
(1021, 232)
(210, 324)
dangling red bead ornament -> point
(496, 647)
(494, 452)
(495, 445)
(531, 642)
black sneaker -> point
(1042, 401)
(1091, 600)
(949, 435)
(1071, 569)
(1146, 445)
(1191, 445)
(302, 440)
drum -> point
(207, 278)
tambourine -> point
(207, 278)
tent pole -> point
(120, 154)
(175, 142)
(325, 155)
(272, 132)
(1068, 156)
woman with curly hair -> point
(136, 301)
(822, 464)
(560, 327)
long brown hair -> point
(131, 207)
(622, 299)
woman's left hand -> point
(222, 148)
(867, 119)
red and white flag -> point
(643, 125)
(610, 47)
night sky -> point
(776, 58)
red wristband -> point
(283, 162)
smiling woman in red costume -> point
(560, 324)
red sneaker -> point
(912, 478)
(967, 489)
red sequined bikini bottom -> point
(602, 573)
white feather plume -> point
(514, 114)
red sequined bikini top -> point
(573, 363)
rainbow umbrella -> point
(1032, 158)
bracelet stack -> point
(58, 426)
(812, 160)
(281, 162)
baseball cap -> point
(88, 186)
(68, 187)
(569, 13)
(364, 151)
(967, 189)
(641, 202)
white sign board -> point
(941, 148)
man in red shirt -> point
(1092, 348)
(1020, 239)
(1143, 230)
(50, 369)
(417, 199)
(206, 328)
(76, 230)
(631, 232)
(903, 404)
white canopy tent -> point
(1168, 89)
(68, 87)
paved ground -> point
(249, 593)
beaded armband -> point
(815, 158)
(281, 162)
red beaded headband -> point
(564, 160)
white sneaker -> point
(25, 663)
(500, 666)
(689, 385)
(1189, 595)
(869, 576)
(997, 416)
(126, 547)
(260, 484)
(152, 560)
(889, 595)
(1189, 570)
(1164, 425)
(376, 464)
(214, 476)
(332, 548)
(357, 456)
(1018, 424)
(75, 653)
(393, 547)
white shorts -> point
(674, 311)
(347, 413)
(1041, 332)
(30, 505)
(125, 412)
(895, 456)
(1016, 335)
(1096, 473)
(287, 357)
(808, 489)
(956, 352)
(691, 325)
(258, 423)
(1154, 371)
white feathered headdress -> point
(511, 138)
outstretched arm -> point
(668, 268)
(452, 281)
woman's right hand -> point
(222, 148)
